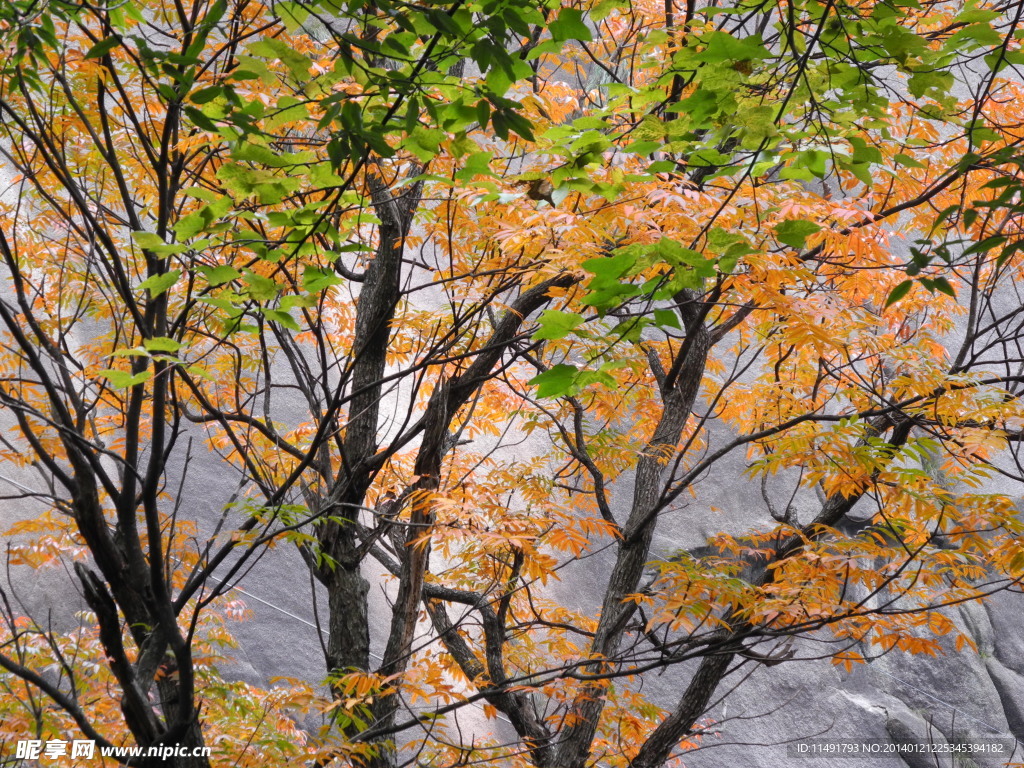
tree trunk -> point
(660, 745)
(634, 548)
(192, 740)
(348, 644)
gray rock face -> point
(1004, 613)
(1010, 688)
(952, 702)
(761, 717)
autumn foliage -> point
(470, 294)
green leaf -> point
(499, 125)
(611, 267)
(864, 152)
(570, 26)
(147, 240)
(908, 161)
(297, 300)
(155, 245)
(797, 173)
(975, 35)
(204, 95)
(795, 232)
(268, 186)
(158, 284)
(201, 372)
(862, 171)
(315, 280)
(985, 245)
(516, 122)
(667, 317)
(425, 143)
(161, 344)
(901, 43)
(930, 83)
(939, 284)
(813, 160)
(975, 15)
(477, 164)
(899, 292)
(133, 352)
(124, 379)
(282, 317)
(601, 9)
(723, 47)
(288, 109)
(259, 287)
(220, 274)
(191, 225)
(555, 324)
(942, 286)
(103, 47)
(273, 48)
(1008, 251)
(556, 381)
(293, 14)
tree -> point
(365, 251)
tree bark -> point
(665, 739)
(634, 548)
